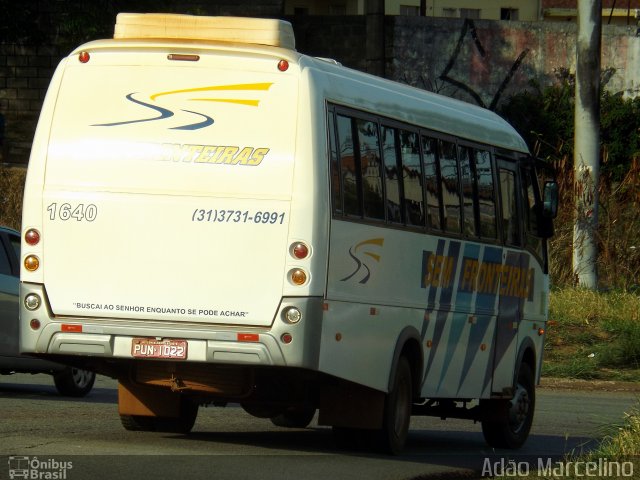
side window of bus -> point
(508, 200)
(392, 177)
(450, 187)
(532, 237)
(369, 154)
(336, 192)
(467, 178)
(431, 184)
(348, 167)
(486, 195)
(478, 202)
(412, 178)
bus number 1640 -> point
(67, 211)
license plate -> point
(152, 348)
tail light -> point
(32, 237)
(298, 276)
(31, 263)
(299, 250)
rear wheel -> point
(397, 411)
(509, 421)
(138, 423)
(259, 410)
(181, 424)
(74, 382)
(296, 417)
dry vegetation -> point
(11, 188)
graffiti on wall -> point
(469, 32)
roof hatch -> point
(263, 31)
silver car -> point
(69, 381)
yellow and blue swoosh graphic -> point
(361, 265)
(204, 120)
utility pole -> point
(587, 142)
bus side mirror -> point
(550, 200)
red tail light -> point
(32, 237)
(299, 250)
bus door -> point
(513, 280)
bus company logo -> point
(35, 469)
(214, 154)
(203, 120)
(480, 276)
(362, 254)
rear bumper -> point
(110, 338)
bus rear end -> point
(156, 228)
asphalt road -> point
(83, 439)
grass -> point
(618, 449)
(593, 335)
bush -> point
(545, 120)
(11, 186)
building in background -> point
(614, 12)
(620, 12)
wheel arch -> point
(408, 344)
(526, 354)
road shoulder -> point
(588, 385)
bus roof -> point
(397, 101)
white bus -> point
(213, 217)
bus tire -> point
(181, 424)
(298, 417)
(509, 421)
(74, 382)
(259, 410)
(138, 423)
(397, 411)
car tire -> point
(74, 382)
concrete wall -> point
(25, 72)
(485, 61)
(479, 61)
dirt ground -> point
(589, 385)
